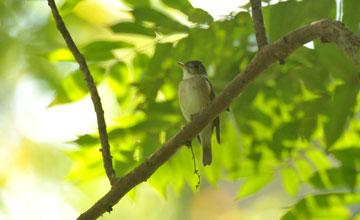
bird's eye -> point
(196, 66)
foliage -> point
(298, 120)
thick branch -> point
(332, 31)
(258, 21)
(105, 147)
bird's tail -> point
(207, 155)
(205, 137)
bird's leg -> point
(188, 144)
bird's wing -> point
(216, 122)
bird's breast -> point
(194, 95)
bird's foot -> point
(192, 116)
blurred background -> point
(290, 146)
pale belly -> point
(193, 96)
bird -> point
(195, 92)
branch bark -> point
(105, 147)
(332, 31)
(258, 21)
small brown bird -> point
(195, 93)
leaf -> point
(87, 140)
(332, 60)
(68, 6)
(182, 5)
(335, 178)
(73, 87)
(311, 110)
(163, 23)
(102, 50)
(331, 206)
(154, 76)
(297, 14)
(349, 157)
(149, 144)
(132, 28)
(290, 180)
(287, 131)
(197, 15)
(137, 3)
(118, 80)
(320, 161)
(339, 110)
(61, 54)
(351, 15)
(254, 184)
(304, 169)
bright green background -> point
(296, 126)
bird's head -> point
(193, 68)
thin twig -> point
(333, 31)
(196, 171)
(105, 147)
(259, 26)
(258, 20)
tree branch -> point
(105, 147)
(258, 21)
(331, 30)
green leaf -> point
(254, 184)
(335, 178)
(137, 3)
(330, 206)
(149, 144)
(87, 140)
(118, 80)
(349, 157)
(68, 6)
(102, 50)
(297, 14)
(290, 180)
(155, 74)
(132, 28)
(182, 5)
(311, 110)
(163, 23)
(73, 87)
(197, 15)
(332, 60)
(304, 169)
(317, 157)
(339, 110)
(351, 15)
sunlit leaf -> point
(326, 206)
(254, 184)
(132, 28)
(290, 180)
(73, 87)
(197, 15)
(304, 169)
(154, 76)
(102, 50)
(87, 140)
(339, 110)
(181, 5)
(163, 23)
(137, 3)
(62, 54)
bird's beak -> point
(182, 65)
